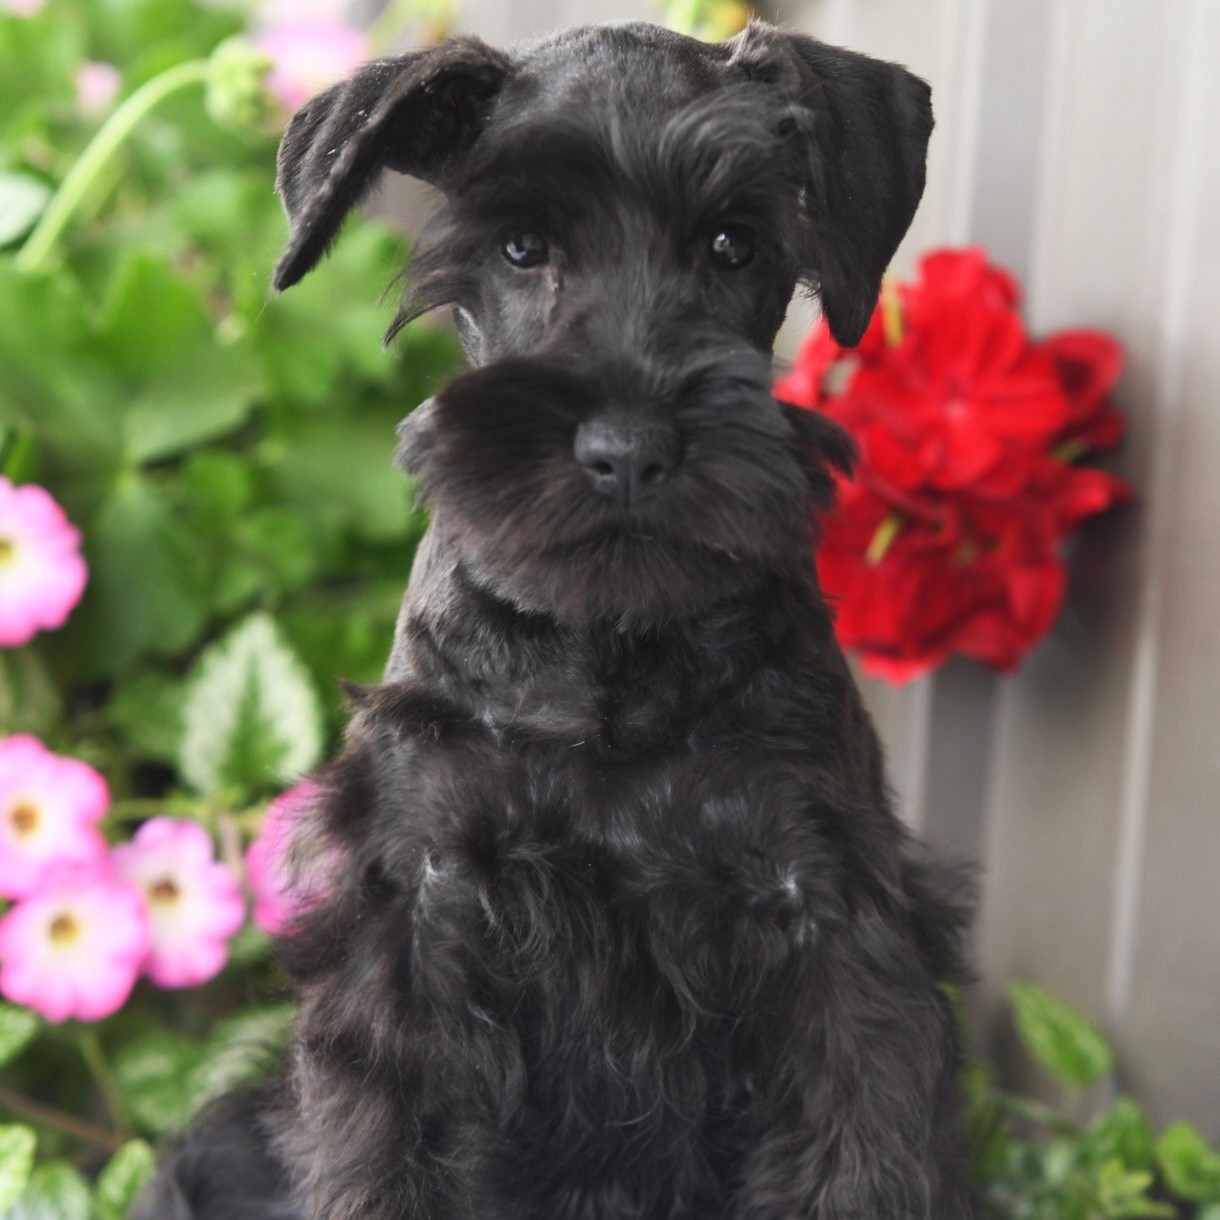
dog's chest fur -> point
(597, 875)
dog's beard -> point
(494, 454)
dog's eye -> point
(731, 247)
(525, 249)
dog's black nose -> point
(625, 457)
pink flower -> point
(284, 887)
(74, 947)
(307, 54)
(41, 572)
(22, 8)
(97, 85)
(194, 903)
(49, 811)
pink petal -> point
(192, 924)
(309, 54)
(90, 976)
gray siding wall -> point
(1079, 141)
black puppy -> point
(621, 924)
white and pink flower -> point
(74, 947)
(284, 886)
(42, 574)
(97, 85)
(195, 904)
(50, 808)
(309, 53)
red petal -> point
(1088, 363)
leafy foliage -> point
(121, 1179)
(226, 455)
(251, 719)
(1033, 1161)
(18, 1026)
(17, 1144)
(1058, 1037)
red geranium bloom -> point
(965, 388)
(947, 539)
(803, 384)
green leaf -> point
(1191, 1168)
(320, 337)
(56, 1191)
(1123, 1194)
(54, 382)
(184, 385)
(252, 719)
(123, 1178)
(17, 1145)
(216, 484)
(1058, 1036)
(1122, 1133)
(29, 700)
(18, 1028)
(153, 1072)
(279, 544)
(36, 62)
(242, 1050)
(22, 199)
(346, 464)
(146, 710)
(250, 947)
(145, 594)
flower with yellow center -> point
(50, 808)
(74, 947)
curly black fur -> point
(621, 923)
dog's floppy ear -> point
(415, 113)
(865, 125)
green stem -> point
(136, 808)
(58, 1120)
(1034, 1112)
(95, 1059)
(99, 151)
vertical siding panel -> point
(1060, 778)
(1169, 988)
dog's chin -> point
(628, 578)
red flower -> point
(803, 384)
(965, 389)
(1088, 364)
(947, 539)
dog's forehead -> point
(618, 66)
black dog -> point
(623, 924)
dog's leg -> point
(862, 1123)
(224, 1168)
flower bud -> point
(237, 94)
